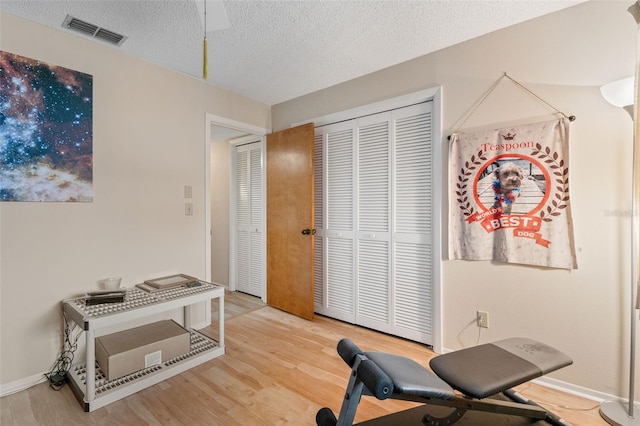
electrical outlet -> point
(483, 319)
(188, 209)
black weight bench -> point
(477, 372)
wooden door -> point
(289, 213)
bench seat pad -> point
(411, 378)
(485, 370)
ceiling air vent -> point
(93, 30)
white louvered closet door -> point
(338, 291)
(249, 254)
(373, 220)
(412, 223)
(318, 225)
(374, 235)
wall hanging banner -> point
(509, 196)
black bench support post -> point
(550, 417)
(352, 395)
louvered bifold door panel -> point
(413, 171)
(242, 219)
(340, 178)
(373, 284)
(412, 301)
(319, 289)
(242, 260)
(412, 281)
(256, 265)
(339, 220)
(249, 218)
(374, 174)
(373, 209)
(340, 280)
(318, 207)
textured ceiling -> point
(273, 51)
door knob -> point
(308, 231)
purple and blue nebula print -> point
(46, 131)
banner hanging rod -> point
(568, 117)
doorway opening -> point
(221, 137)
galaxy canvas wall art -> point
(46, 131)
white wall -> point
(149, 142)
(220, 212)
(564, 58)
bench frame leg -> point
(352, 396)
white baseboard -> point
(576, 390)
(21, 384)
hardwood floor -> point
(278, 370)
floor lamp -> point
(622, 93)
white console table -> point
(86, 379)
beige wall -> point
(149, 131)
(220, 212)
(564, 58)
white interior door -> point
(374, 214)
(413, 237)
(249, 219)
(375, 238)
(335, 295)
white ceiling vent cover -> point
(93, 30)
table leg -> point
(90, 393)
(187, 317)
(221, 321)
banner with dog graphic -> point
(509, 196)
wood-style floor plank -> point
(278, 370)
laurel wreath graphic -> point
(463, 178)
(557, 167)
(561, 173)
